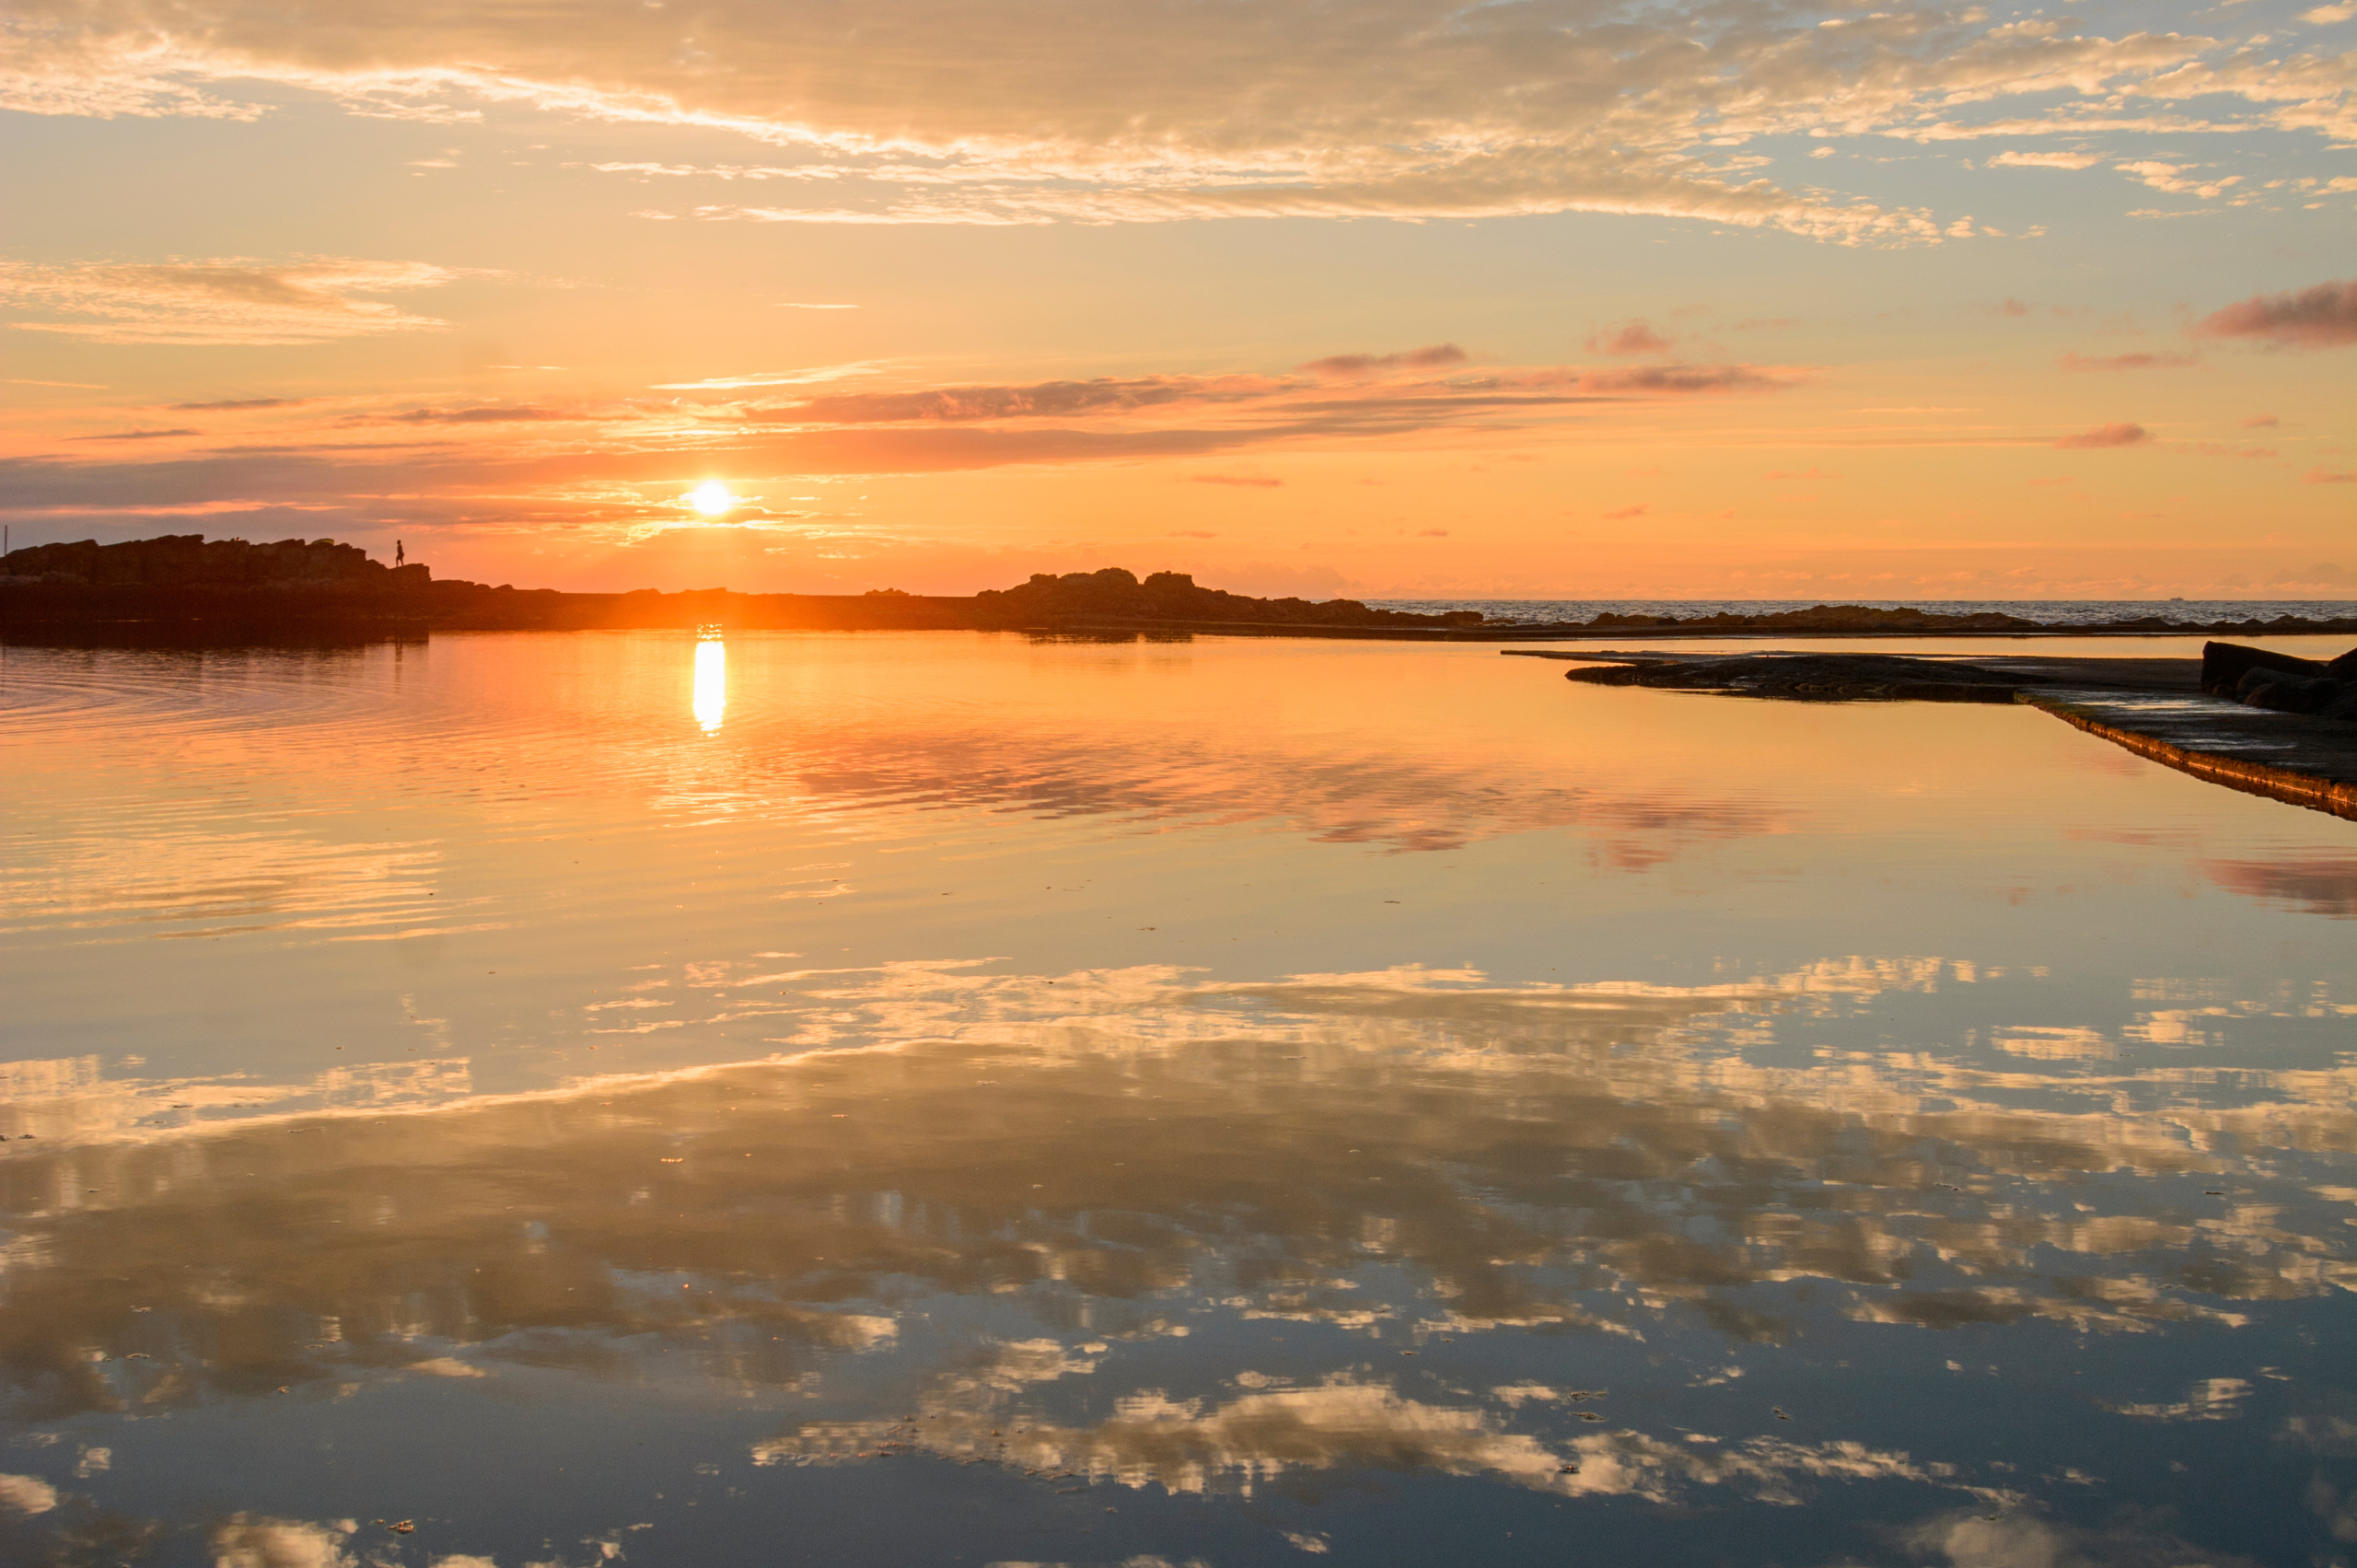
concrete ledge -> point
(2213, 741)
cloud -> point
(1358, 367)
(2170, 177)
(220, 302)
(2261, 422)
(815, 374)
(623, 464)
(236, 405)
(2322, 317)
(1687, 378)
(807, 304)
(1624, 513)
(489, 415)
(2325, 15)
(2017, 1539)
(2127, 362)
(1415, 109)
(27, 1494)
(2106, 435)
(1631, 338)
(2012, 160)
(138, 435)
(2327, 476)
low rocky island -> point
(185, 585)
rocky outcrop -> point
(189, 561)
(1115, 596)
(2285, 682)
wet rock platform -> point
(2154, 708)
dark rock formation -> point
(1116, 595)
(2283, 682)
(187, 560)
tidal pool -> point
(545, 1099)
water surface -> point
(958, 1098)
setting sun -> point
(711, 498)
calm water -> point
(957, 1099)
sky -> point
(1389, 298)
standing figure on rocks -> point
(398, 556)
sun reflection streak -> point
(710, 701)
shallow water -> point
(956, 1099)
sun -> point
(711, 498)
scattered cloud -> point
(136, 435)
(2327, 476)
(2106, 435)
(2012, 160)
(2127, 362)
(1627, 340)
(2322, 317)
(2171, 177)
(1420, 110)
(221, 302)
(2261, 422)
(2325, 15)
(1624, 513)
(1254, 482)
(236, 405)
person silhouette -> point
(398, 556)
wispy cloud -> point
(756, 379)
(624, 464)
(2127, 362)
(221, 302)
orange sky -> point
(1378, 298)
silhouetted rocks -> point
(2285, 682)
(1113, 595)
(180, 583)
(187, 560)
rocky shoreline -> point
(184, 587)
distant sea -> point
(2050, 612)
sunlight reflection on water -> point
(711, 703)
